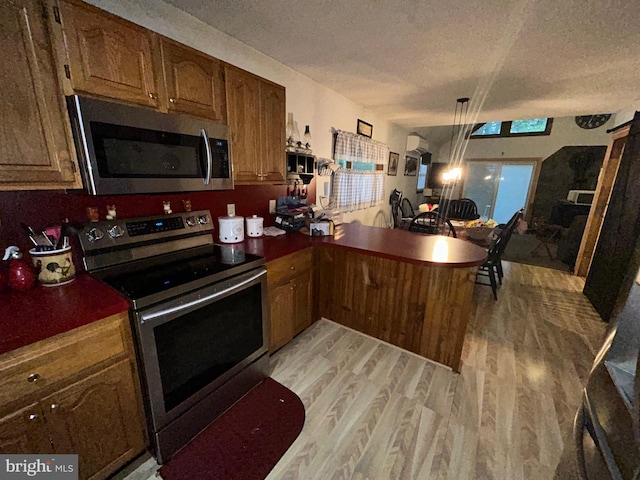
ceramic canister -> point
(254, 226)
(54, 267)
(231, 229)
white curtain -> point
(358, 189)
(355, 190)
(356, 148)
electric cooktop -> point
(156, 279)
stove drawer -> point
(35, 369)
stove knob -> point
(116, 231)
(191, 221)
(203, 219)
(95, 234)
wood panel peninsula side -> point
(413, 291)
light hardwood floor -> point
(375, 411)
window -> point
(360, 182)
(513, 128)
(425, 160)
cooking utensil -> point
(36, 238)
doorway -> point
(499, 188)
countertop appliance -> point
(125, 150)
(231, 229)
(199, 315)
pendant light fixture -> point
(459, 136)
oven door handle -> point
(207, 149)
(185, 306)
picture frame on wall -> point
(394, 159)
(411, 166)
(365, 129)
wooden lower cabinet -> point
(98, 419)
(420, 308)
(24, 431)
(281, 301)
(290, 284)
(94, 411)
(303, 301)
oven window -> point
(129, 152)
(197, 348)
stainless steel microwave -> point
(125, 150)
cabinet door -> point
(610, 279)
(281, 301)
(272, 122)
(109, 56)
(34, 139)
(24, 432)
(303, 301)
(195, 82)
(98, 418)
(243, 110)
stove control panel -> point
(129, 233)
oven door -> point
(192, 345)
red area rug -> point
(246, 441)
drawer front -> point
(37, 367)
(286, 268)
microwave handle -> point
(207, 148)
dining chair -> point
(407, 208)
(433, 224)
(492, 267)
(461, 209)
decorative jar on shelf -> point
(293, 137)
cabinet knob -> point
(33, 417)
(33, 378)
(293, 267)
(153, 96)
(54, 407)
(172, 100)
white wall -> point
(311, 103)
(626, 114)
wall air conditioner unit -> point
(416, 143)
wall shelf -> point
(302, 164)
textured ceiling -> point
(408, 61)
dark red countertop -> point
(43, 312)
(397, 245)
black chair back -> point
(462, 209)
(433, 224)
(502, 241)
(407, 208)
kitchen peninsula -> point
(411, 290)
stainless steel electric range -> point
(198, 312)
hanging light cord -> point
(459, 131)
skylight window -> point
(513, 128)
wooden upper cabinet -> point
(272, 121)
(194, 82)
(109, 56)
(35, 139)
(256, 115)
(243, 108)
